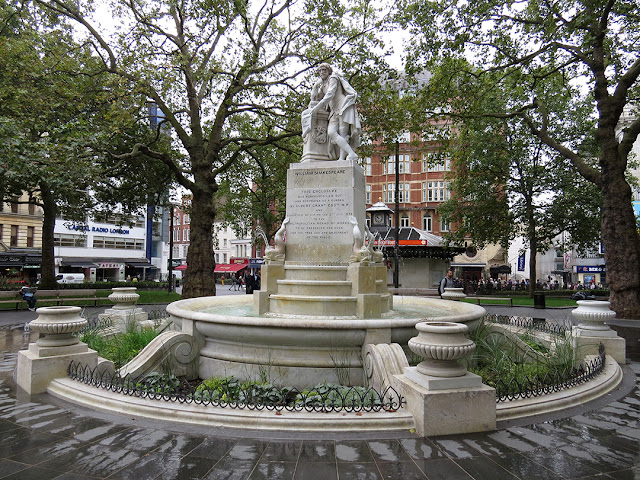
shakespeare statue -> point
(333, 94)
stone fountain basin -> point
(301, 350)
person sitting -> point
(29, 295)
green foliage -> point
(122, 348)
(498, 361)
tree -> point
(206, 64)
(507, 183)
(55, 126)
(587, 50)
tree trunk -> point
(47, 269)
(620, 238)
(199, 275)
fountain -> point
(324, 294)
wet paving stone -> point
(421, 448)
(230, 469)
(353, 451)
(403, 470)
(8, 467)
(16, 441)
(358, 471)
(213, 448)
(384, 451)
(442, 469)
(93, 460)
(561, 463)
(50, 450)
(523, 467)
(282, 451)
(274, 471)
(187, 469)
(34, 473)
(317, 451)
(482, 467)
(316, 470)
(139, 439)
(149, 467)
(180, 444)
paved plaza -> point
(41, 438)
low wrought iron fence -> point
(232, 393)
(528, 323)
(550, 382)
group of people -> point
(249, 282)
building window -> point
(176, 251)
(176, 235)
(217, 258)
(405, 137)
(185, 235)
(224, 244)
(13, 242)
(437, 191)
(404, 221)
(367, 165)
(404, 164)
(68, 240)
(118, 243)
(404, 193)
(444, 225)
(186, 219)
(176, 219)
(389, 196)
(368, 194)
(30, 235)
(14, 207)
(427, 223)
(32, 209)
(368, 221)
(224, 258)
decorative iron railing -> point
(232, 393)
(550, 382)
(528, 323)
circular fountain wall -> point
(301, 350)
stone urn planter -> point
(125, 298)
(453, 293)
(442, 344)
(592, 314)
(58, 324)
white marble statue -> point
(333, 93)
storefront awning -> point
(471, 265)
(180, 267)
(140, 264)
(78, 263)
(233, 267)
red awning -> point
(181, 267)
(230, 267)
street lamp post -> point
(171, 248)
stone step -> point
(315, 272)
(314, 287)
(313, 305)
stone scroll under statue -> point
(335, 137)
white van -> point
(70, 278)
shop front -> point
(591, 275)
(20, 268)
(110, 272)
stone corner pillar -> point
(49, 357)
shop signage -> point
(12, 259)
(588, 269)
(239, 261)
(85, 228)
(110, 265)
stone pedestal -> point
(592, 331)
(50, 356)
(124, 314)
(442, 396)
(449, 411)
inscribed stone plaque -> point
(321, 196)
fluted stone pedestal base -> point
(587, 342)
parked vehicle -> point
(70, 278)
